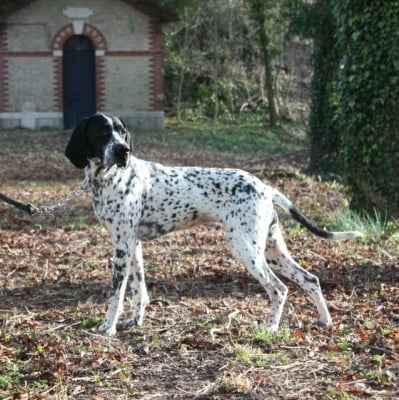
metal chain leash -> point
(77, 193)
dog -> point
(138, 200)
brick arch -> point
(61, 36)
(57, 45)
(94, 34)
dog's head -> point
(101, 138)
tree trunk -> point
(258, 16)
(271, 99)
(183, 67)
(215, 73)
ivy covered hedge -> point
(354, 118)
(368, 101)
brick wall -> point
(127, 83)
(3, 70)
(29, 81)
(128, 43)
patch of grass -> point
(378, 377)
(335, 394)
(9, 377)
(377, 228)
(262, 334)
(244, 135)
(249, 354)
(92, 322)
(17, 374)
(78, 223)
(254, 356)
(371, 225)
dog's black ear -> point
(129, 139)
(76, 149)
(123, 123)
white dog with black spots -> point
(139, 200)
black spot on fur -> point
(120, 253)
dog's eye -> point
(122, 131)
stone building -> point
(61, 60)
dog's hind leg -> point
(251, 254)
(138, 290)
(280, 260)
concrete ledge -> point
(31, 120)
(143, 121)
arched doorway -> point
(79, 83)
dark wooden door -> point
(79, 71)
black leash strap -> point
(47, 209)
(29, 208)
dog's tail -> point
(287, 206)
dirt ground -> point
(202, 337)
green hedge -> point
(368, 99)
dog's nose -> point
(121, 154)
(121, 149)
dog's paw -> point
(272, 328)
(323, 323)
(126, 324)
(107, 330)
(138, 317)
(137, 320)
(326, 320)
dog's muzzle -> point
(121, 154)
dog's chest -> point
(117, 199)
(106, 205)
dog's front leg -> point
(138, 288)
(122, 255)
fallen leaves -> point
(55, 276)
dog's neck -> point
(97, 173)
